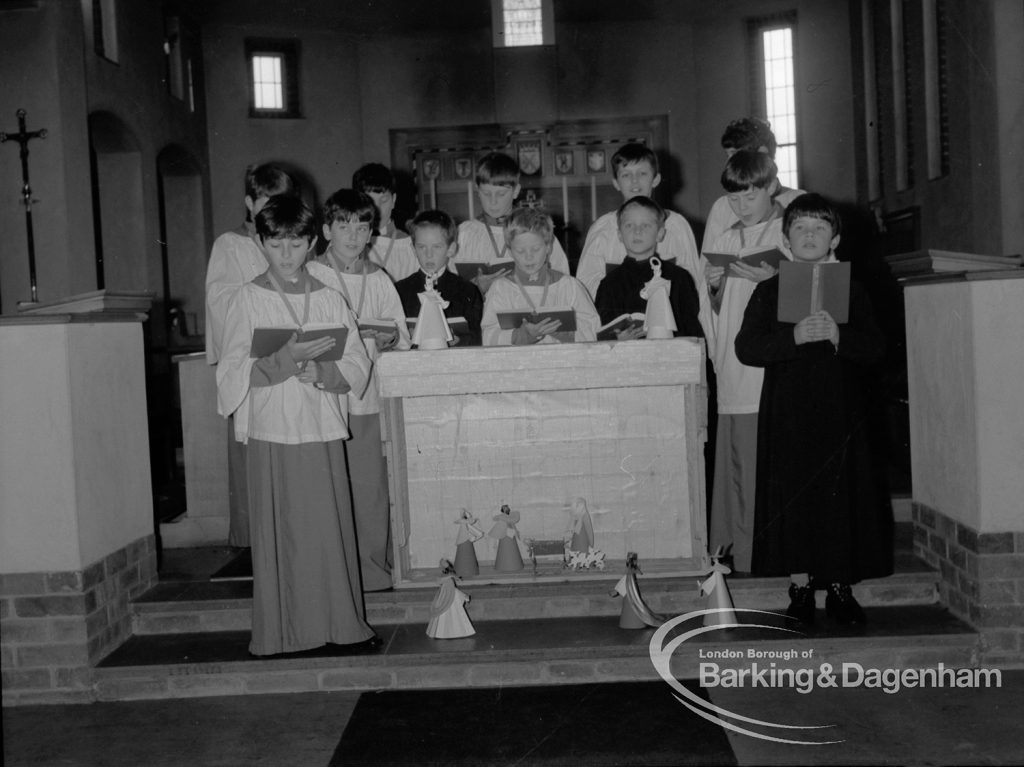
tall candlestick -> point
(469, 196)
(433, 194)
(593, 198)
(565, 201)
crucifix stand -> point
(23, 136)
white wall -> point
(74, 447)
(965, 365)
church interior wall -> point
(324, 146)
(697, 72)
(51, 70)
(40, 58)
(974, 206)
(356, 86)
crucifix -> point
(23, 136)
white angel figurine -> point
(716, 590)
(432, 330)
(635, 613)
(658, 320)
(448, 616)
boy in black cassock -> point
(641, 227)
(434, 238)
(821, 517)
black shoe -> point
(801, 603)
(841, 607)
(372, 644)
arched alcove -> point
(183, 243)
(117, 197)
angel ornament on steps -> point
(448, 616)
(508, 559)
(716, 590)
(635, 613)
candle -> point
(433, 194)
(469, 196)
(593, 198)
(565, 201)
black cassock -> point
(619, 293)
(463, 299)
(820, 508)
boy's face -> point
(286, 254)
(530, 252)
(348, 237)
(432, 248)
(385, 202)
(496, 200)
(810, 239)
(640, 231)
(751, 205)
(636, 178)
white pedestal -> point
(74, 443)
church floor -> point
(912, 727)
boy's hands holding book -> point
(816, 327)
(531, 332)
(713, 274)
(383, 338)
(483, 281)
(309, 373)
(764, 271)
(303, 351)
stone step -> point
(568, 650)
(200, 606)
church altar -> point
(621, 425)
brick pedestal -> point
(982, 579)
(55, 626)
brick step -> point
(199, 606)
(517, 652)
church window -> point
(774, 88)
(104, 28)
(518, 23)
(273, 78)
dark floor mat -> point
(238, 569)
(635, 723)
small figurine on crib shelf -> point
(508, 559)
(716, 590)
(581, 528)
(635, 612)
(448, 616)
(579, 540)
(466, 564)
(585, 560)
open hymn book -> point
(468, 269)
(459, 325)
(266, 341)
(513, 319)
(610, 330)
(773, 257)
